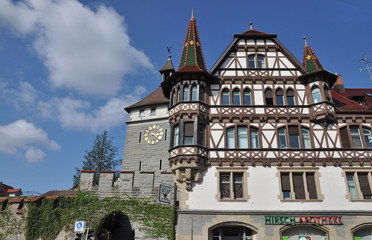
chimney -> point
(339, 84)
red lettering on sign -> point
(312, 219)
(339, 220)
(300, 220)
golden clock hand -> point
(155, 135)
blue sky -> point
(69, 67)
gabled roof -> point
(311, 62)
(192, 58)
(256, 34)
(156, 97)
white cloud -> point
(80, 115)
(85, 50)
(25, 94)
(34, 155)
(24, 136)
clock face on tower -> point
(153, 134)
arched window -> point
(290, 97)
(236, 97)
(269, 97)
(202, 93)
(261, 61)
(247, 97)
(316, 95)
(279, 97)
(255, 142)
(242, 137)
(186, 93)
(230, 142)
(225, 97)
(194, 93)
(231, 232)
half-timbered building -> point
(264, 147)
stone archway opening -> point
(115, 226)
(304, 233)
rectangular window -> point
(355, 137)
(294, 137)
(299, 185)
(306, 138)
(189, 134)
(255, 143)
(359, 185)
(231, 138)
(282, 138)
(242, 137)
(176, 134)
(232, 185)
(153, 111)
(142, 113)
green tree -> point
(102, 157)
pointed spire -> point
(250, 26)
(311, 62)
(192, 58)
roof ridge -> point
(348, 99)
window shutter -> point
(311, 185)
(293, 131)
(189, 129)
(286, 186)
(269, 93)
(298, 183)
(364, 185)
(345, 138)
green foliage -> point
(102, 157)
(46, 221)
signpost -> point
(79, 227)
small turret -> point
(311, 62)
(168, 68)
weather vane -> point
(169, 52)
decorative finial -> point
(305, 40)
(192, 14)
(169, 53)
(250, 26)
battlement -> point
(136, 184)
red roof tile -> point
(16, 200)
(32, 199)
(254, 32)
(156, 97)
(14, 190)
(345, 104)
(60, 193)
(3, 199)
(20, 211)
